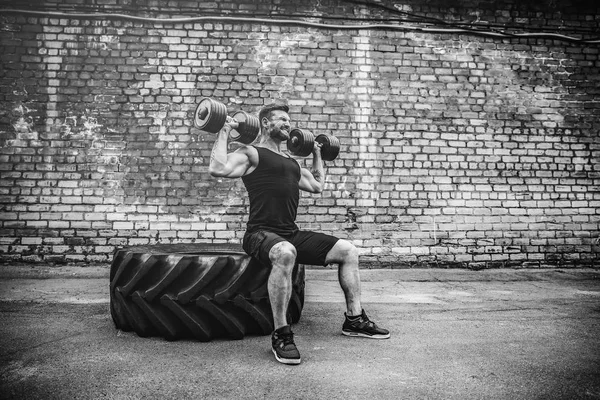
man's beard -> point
(281, 134)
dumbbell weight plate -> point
(330, 146)
(210, 115)
(248, 128)
(301, 143)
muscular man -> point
(273, 180)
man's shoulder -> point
(250, 151)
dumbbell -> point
(301, 143)
(211, 115)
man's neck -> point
(271, 144)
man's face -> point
(278, 125)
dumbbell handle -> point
(203, 112)
(294, 140)
(234, 123)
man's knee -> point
(343, 251)
(349, 250)
(283, 254)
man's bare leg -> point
(345, 255)
(356, 323)
(283, 259)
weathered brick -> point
(429, 127)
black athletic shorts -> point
(311, 247)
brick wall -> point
(458, 149)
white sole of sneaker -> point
(364, 335)
(287, 361)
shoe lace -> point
(364, 321)
(369, 323)
(286, 338)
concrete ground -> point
(456, 334)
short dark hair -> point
(265, 112)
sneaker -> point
(284, 348)
(362, 326)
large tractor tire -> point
(194, 291)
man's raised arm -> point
(313, 181)
(227, 165)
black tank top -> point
(273, 192)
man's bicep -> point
(237, 164)
(240, 163)
(308, 183)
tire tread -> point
(198, 291)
